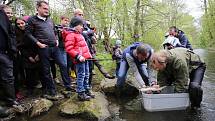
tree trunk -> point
(205, 6)
(106, 40)
(137, 19)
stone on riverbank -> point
(39, 106)
(108, 87)
(95, 109)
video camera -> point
(60, 28)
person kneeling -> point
(175, 67)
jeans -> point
(82, 76)
(123, 69)
(117, 69)
(48, 83)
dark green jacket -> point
(180, 62)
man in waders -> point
(176, 67)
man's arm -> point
(151, 75)
(134, 69)
(29, 33)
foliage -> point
(120, 19)
(208, 22)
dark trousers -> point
(18, 71)
(45, 55)
(100, 67)
(91, 67)
(32, 77)
(195, 90)
(53, 69)
(7, 78)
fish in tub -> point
(163, 99)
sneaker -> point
(109, 76)
(53, 97)
(66, 93)
(57, 80)
(38, 86)
(89, 93)
(83, 97)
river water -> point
(123, 110)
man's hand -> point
(37, 58)
(156, 86)
(32, 59)
(41, 45)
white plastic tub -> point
(165, 102)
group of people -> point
(32, 45)
(177, 65)
(30, 48)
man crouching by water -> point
(175, 67)
(136, 57)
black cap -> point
(76, 21)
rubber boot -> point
(195, 93)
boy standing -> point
(78, 50)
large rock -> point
(108, 85)
(40, 105)
(95, 109)
(130, 88)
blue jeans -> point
(117, 69)
(82, 76)
(48, 83)
(123, 69)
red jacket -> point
(76, 45)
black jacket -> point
(9, 35)
(42, 31)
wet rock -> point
(39, 106)
(108, 86)
(135, 104)
(95, 109)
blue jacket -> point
(183, 40)
(129, 50)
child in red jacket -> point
(78, 50)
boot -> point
(83, 97)
(89, 93)
(10, 95)
(3, 112)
